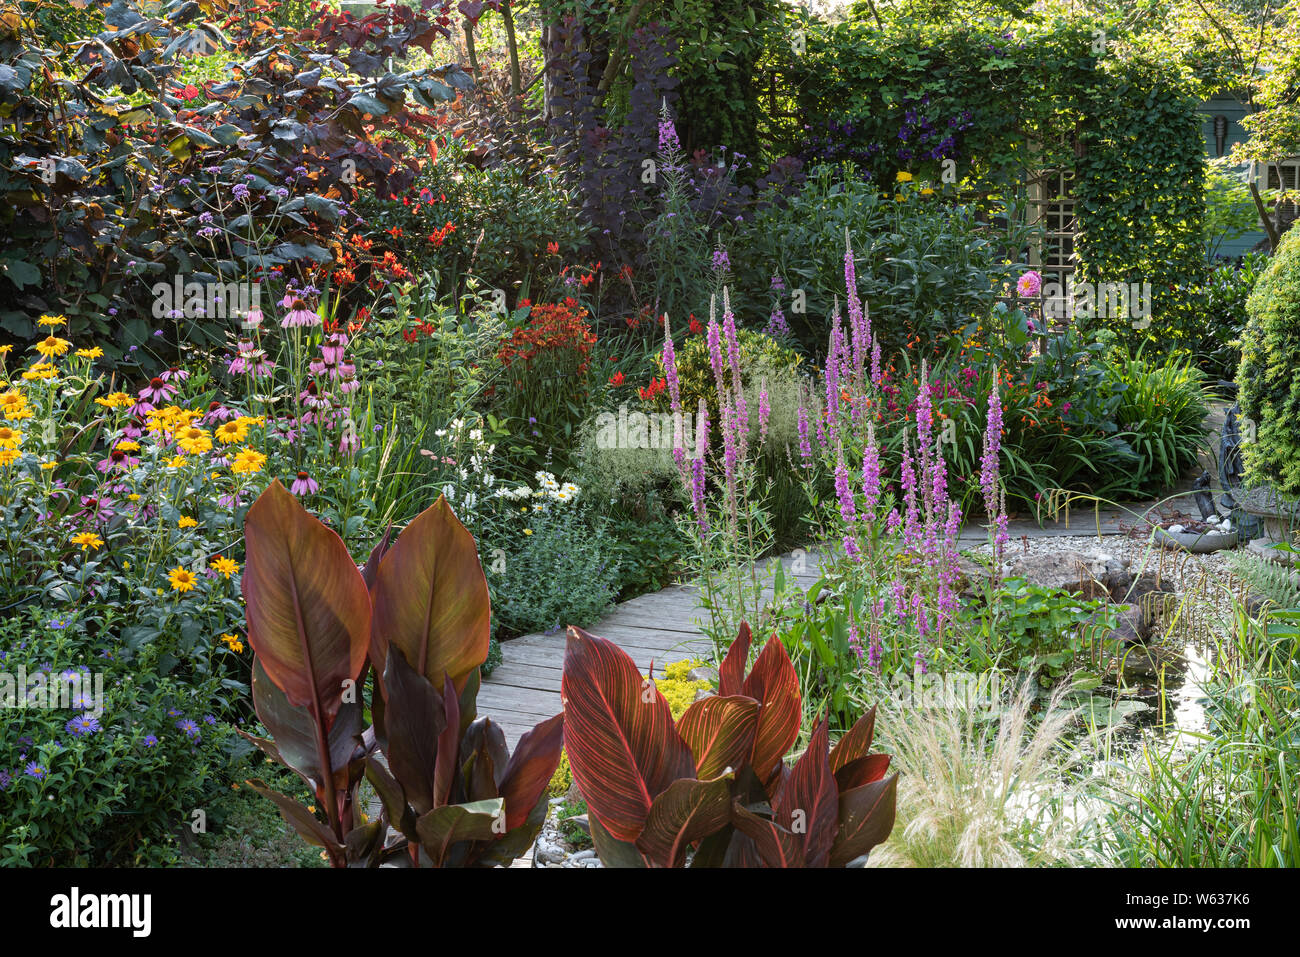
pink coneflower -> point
(303, 484)
(253, 319)
(117, 459)
(299, 315)
(217, 413)
(312, 399)
(96, 509)
(157, 391)
(331, 349)
(175, 373)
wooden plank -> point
(528, 677)
(537, 704)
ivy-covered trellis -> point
(983, 112)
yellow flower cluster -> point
(170, 420)
(232, 642)
(52, 346)
(678, 688)
(247, 461)
(182, 579)
(114, 400)
(14, 407)
(87, 540)
(224, 566)
(40, 371)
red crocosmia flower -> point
(553, 248)
(656, 387)
(586, 280)
(626, 272)
(410, 334)
(695, 326)
(616, 379)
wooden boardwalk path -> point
(663, 627)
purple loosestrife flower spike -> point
(844, 492)
(714, 338)
(740, 412)
(805, 447)
(697, 494)
(871, 469)
(670, 368)
(675, 397)
(992, 446)
(857, 331)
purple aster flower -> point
(82, 726)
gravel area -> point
(554, 850)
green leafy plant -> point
(1270, 356)
(1031, 627)
(562, 573)
(417, 613)
(716, 778)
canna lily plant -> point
(717, 779)
(417, 615)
